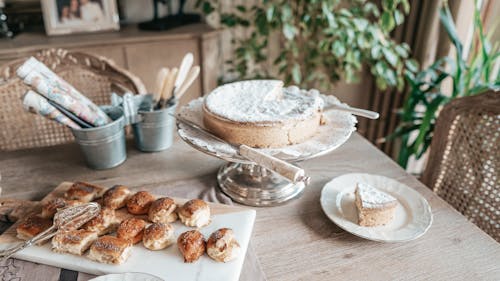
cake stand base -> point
(254, 185)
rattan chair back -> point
(464, 163)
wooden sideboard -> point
(141, 52)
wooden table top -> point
(295, 241)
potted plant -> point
(471, 74)
(321, 42)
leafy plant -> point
(322, 42)
(470, 75)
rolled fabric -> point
(37, 104)
(53, 87)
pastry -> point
(74, 242)
(131, 230)
(32, 226)
(375, 207)
(191, 245)
(103, 223)
(261, 113)
(116, 197)
(109, 249)
(195, 213)
(158, 236)
(222, 246)
(139, 203)
(163, 210)
(50, 208)
(84, 192)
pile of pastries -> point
(109, 239)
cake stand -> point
(251, 184)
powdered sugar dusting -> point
(263, 101)
(372, 197)
(339, 126)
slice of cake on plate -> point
(375, 207)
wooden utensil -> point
(192, 75)
(160, 81)
(186, 64)
(168, 87)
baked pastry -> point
(32, 226)
(84, 192)
(50, 208)
(103, 223)
(163, 210)
(116, 197)
(110, 249)
(158, 236)
(375, 207)
(261, 113)
(131, 230)
(74, 242)
(222, 246)
(191, 245)
(139, 203)
(195, 213)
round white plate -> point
(412, 219)
(129, 276)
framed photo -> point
(78, 16)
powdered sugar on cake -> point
(263, 101)
(372, 197)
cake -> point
(261, 113)
(375, 207)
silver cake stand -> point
(248, 183)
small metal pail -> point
(155, 131)
(104, 147)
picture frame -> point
(79, 16)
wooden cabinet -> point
(141, 52)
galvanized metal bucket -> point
(104, 147)
(155, 131)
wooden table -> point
(295, 241)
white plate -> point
(413, 214)
(129, 276)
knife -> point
(285, 169)
(353, 110)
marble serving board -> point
(167, 264)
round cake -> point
(261, 113)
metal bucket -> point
(104, 147)
(155, 131)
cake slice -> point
(375, 207)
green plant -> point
(322, 42)
(471, 75)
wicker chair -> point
(464, 164)
(96, 77)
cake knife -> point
(285, 169)
(353, 110)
